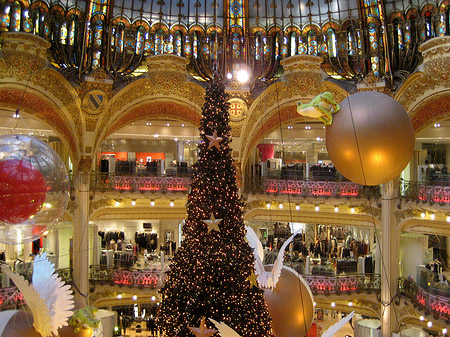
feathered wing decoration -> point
(338, 326)
(41, 315)
(278, 265)
(49, 299)
(253, 242)
(224, 330)
(57, 294)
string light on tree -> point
(211, 271)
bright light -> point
(153, 298)
(134, 297)
(48, 205)
(314, 304)
(333, 304)
(268, 205)
(448, 218)
(281, 206)
(317, 208)
(167, 124)
(423, 215)
(352, 210)
(336, 209)
(437, 125)
(307, 127)
(152, 203)
(432, 216)
(116, 328)
(242, 76)
(171, 204)
(297, 207)
(176, 139)
(421, 318)
(430, 324)
(229, 76)
(182, 125)
(117, 204)
(133, 202)
(156, 135)
(119, 296)
(350, 303)
(444, 331)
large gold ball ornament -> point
(290, 304)
(371, 139)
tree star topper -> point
(202, 330)
(214, 140)
(213, 223)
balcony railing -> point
(126, 277)
(112, 182)
(343, 284)
(438, 306)
(436, 192)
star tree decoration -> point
(213, 223)
(202, 330)
(214, 140)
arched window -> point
(429, 30)
(177, 47)
(98, 33)
(331, 42)
(266, 47)
(447, 20)
(373, 37)
(236, 45)
(27, 22)
(277, 46)
(214, 45)
(302, 48)
(159, 42)
(63, 33)
(168, 44)
(140, 38)
(195, 45)
(119, 35)
(441, 24)
(293, 44)
(4, 17)
(312, 43)
(284, 47)
(205, 47)
(96, 59)
(188, 47)
(407, 33)
(351, 41)
(71, 33)
(398, 35)
(258, 50)
(15, 17)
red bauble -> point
(22, 191)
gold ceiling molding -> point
(433, 77)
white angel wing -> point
(338, 326)
(278, 265)
(57, 295)
(263, 276)
(224, 330)
(41, 314)
(253, 242)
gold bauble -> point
(371, 139)
(290, 304)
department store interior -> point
(124, 119)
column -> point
(389, 255)
(96, 249)
(81, 237)
(27, 250)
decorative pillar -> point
(390, 257)
(81, 237)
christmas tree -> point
(209, 274)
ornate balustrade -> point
(127, 277)
(438, 192)
(10, 297)
(343, 284)
(438, 306)
(112, 182)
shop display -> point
(34, 189)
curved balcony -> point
(343, 284)
(425, 299)
(435, 192)
(125, 276)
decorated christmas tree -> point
(209, 274)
